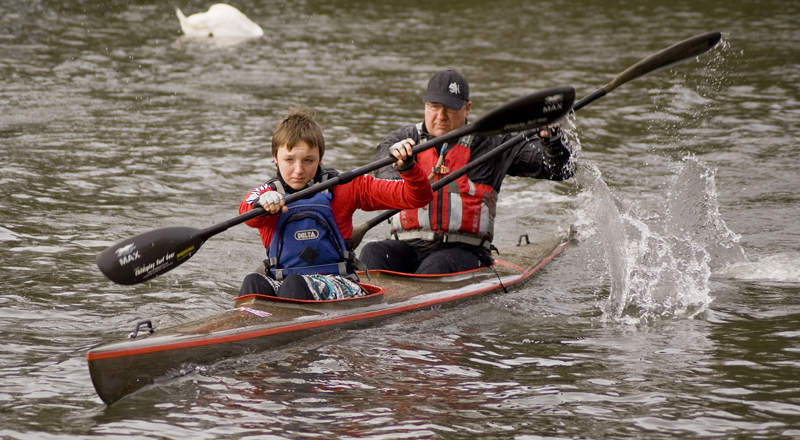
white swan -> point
(221, 21)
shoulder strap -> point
(329, 173)
(423, 137)
(275, 184)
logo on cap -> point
(454, 89)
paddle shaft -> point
(674, 54)
(488, 124)
(342, 178)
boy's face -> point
(298, 166)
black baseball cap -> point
(449, 88)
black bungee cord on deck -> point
(497, 274)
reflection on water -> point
(112, 123)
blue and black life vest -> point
(307, 240)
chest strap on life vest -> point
(344, 266)
(441, 238)
(440, 169)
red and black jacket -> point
(465, 210)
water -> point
(673, 315)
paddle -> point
(147, 255)
(677, 53)
(674, 54)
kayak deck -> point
(258, 323)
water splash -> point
(782, 268)
(688, 105)
(694, 212)
(660, 260)
(660, 265)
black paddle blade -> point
(139, 258)
(538, 109)
(677, 53)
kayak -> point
(257, 323)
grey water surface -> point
(675, 313)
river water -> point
(675, 313)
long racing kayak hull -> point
(258, 323)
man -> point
(454, 232)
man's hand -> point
(273, 202)
(551, 133)
(402, 152)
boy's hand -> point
(273, 202)
(402, 152)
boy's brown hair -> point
(298, 125)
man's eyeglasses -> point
(436, 107)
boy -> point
(309, 256)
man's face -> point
(441, 119)
(298, 166)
